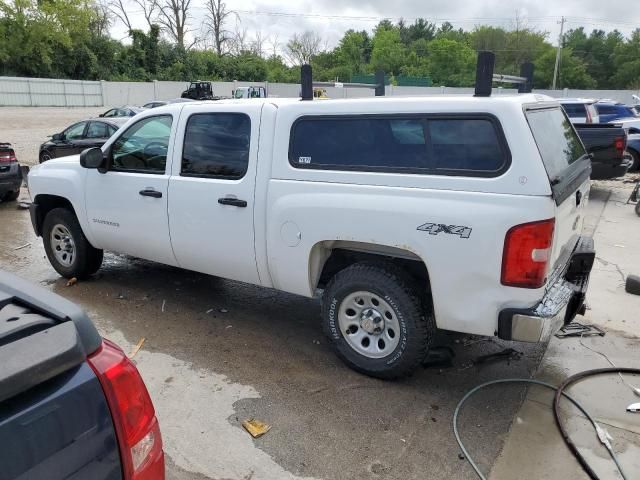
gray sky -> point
(327, 17)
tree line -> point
(71, 39)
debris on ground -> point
(632, 284)
(577, 329)
(28, 244)
(507, 354)
(223, 310)
(256, 428)
(137, 348)
(164, 302)
(72, 282)
(210, 310)
(634, 408)
(24, 205)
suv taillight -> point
(7, 157)
(527, 250)
(132, 412)
(620, 145)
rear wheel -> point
(68, 250)
(377, 321)
(12, 196)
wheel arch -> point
(45, 203)
(327, 258)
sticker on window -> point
(305, 160)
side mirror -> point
(92, 158)
(634, 130)
(57, 137)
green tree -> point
(572, 72)
(451, 63)
(627, 63)
(388, 52)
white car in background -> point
(580, 110)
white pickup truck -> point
(408, 214)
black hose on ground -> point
(556, 410)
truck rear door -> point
(568, 167)
(212, 190)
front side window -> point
(143, 146)
(75, 132)
(416, 144)
(111, 113)
(216, 145)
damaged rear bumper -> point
(563, 300)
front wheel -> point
(377, 321)
(45, 157)
(68, 250)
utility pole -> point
(560, 41)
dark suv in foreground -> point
(72, 405)
(10, 173)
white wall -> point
(16, 91)
(47, 92)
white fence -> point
(17, 91)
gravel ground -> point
(27, 127)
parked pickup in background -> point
(72, 405)
(476, 230)
(607, 143)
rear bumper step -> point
(563, 300)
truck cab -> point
(408, 214)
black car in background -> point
(80, 136)
(125, 111)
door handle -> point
(232, 201)
(578, 197)
(150, 192)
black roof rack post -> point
(379, 83)
(306, 82)
(526, 71)
(484, 73)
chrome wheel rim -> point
(62, 245)
(369, 324)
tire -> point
(11, 196)
(638, 209)
(350, 315)
(635, 166)
(67, 249)
(45, 156)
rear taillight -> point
(620, 145)
(527, 250)
(133, 414)
(8, 157)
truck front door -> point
(127, 205)
(211, 190)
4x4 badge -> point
(436, 228)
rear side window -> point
(574, 109)
(216, 145)
(557, 141)
(416, 144)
